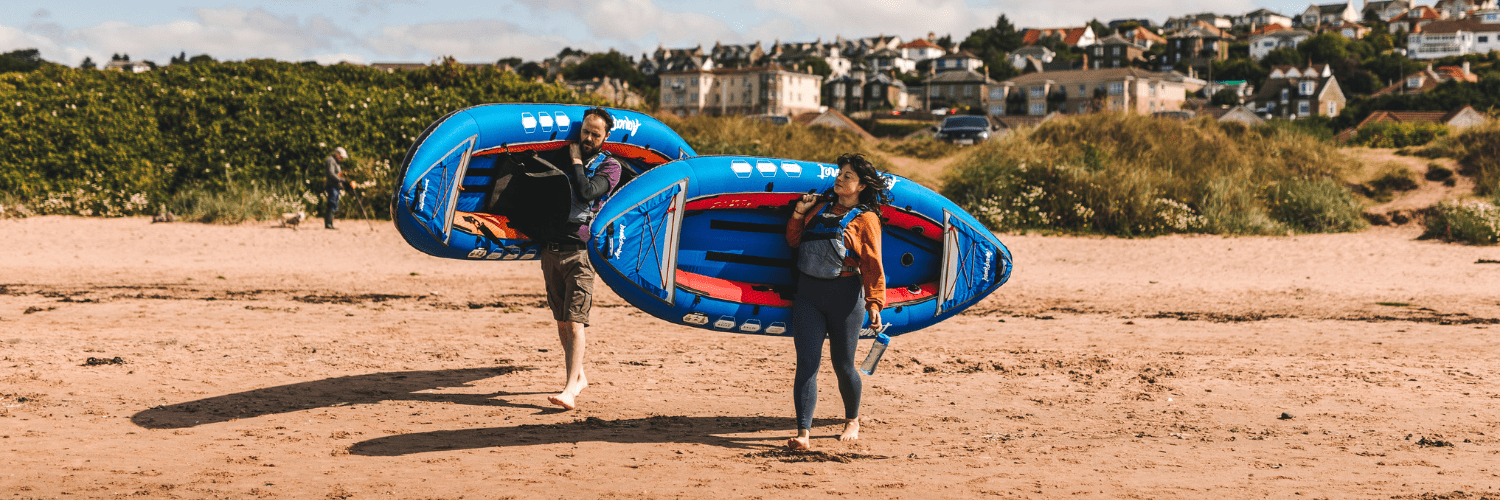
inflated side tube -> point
(460, 186)
(701, 242)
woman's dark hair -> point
(877, 188)
(609, 121)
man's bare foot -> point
(851, 430)
(568, 397)
(799, 443)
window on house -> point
(1083, 107)
(1116, 51)
(1081, 89)
(1484, 39)
(1038, 108)
(1303, 108)
(838, 90)
(856, 91)
(996, 93)
(1284, 93)
(1151, 89)
(1307, 87)
(997, 110)
(1115, 63)
(1116, 88)
(935, 91)
(1270, 43)
(968, 90)
(1037, 92)
(1333, 108)
(1414, 82)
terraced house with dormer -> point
(1291, 92)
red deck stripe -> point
(745, 293)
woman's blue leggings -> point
(835, 308)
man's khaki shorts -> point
(570, 284)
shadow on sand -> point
(341, 391)
(655, 429)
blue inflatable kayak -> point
(462, 184)
(701, 242)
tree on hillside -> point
(988, 42)
(88, 63)
(946, 42)
(1285, 56)
(1390, 67)
(531, 71)
(1240, 69)
(120, 57)
(1100, 30)
(818, 66)
(569, 51)
(606, 64)
(20, 60)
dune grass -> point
(1125, 174)
(241, 203)
(925, 148)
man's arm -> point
(604, 179)
(333, 167)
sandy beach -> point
(188, 360)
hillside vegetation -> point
(1126, 174)
(112, 143)
(734, 135)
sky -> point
(369, 31)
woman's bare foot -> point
(803, 441)
(851, 430)
(564, 399)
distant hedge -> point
(112, 143)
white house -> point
(1275, 37)
(1478, 34)
(922, 49)
(1334, 14)
(1261, 18)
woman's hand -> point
(805, 204)
(874, 312)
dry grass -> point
(1128, 174)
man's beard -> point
(587, 151)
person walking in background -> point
(569, 276)
(840, 281)
(333, 184)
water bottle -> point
(876, 349)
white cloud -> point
(467, 41)
(229, 33)
(633, 26)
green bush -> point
(1398, 135)
(116, 143)
(1476, 223)
(1315, 206)
(1127, 174)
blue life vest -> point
(822, 252)
(582, 211)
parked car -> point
(965, 129)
